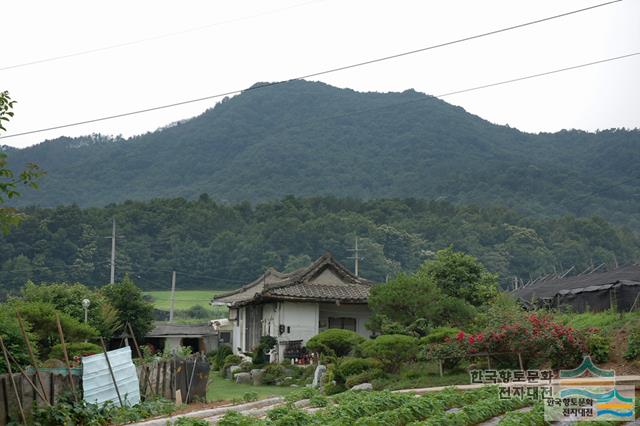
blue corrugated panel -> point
(97, 383)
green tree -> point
(127, 298)
(461, 276)
(409, 297)
(10, 332)
(10, 180)
(67, 298)
(42, 317)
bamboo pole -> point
(13, 382)
(31, 355)
(195, 361)
(26, 376)
(66, 357)
(113, 377)
(144, 366)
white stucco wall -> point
(361, 313)
(238, 332)
(301, 321)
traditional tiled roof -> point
(305, 284)
(550, 287)
(166, 329)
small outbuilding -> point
(618, 289)
(169, 336)
(295, 306)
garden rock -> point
(318, 375)
(232, 370)
(363, 387)
(244, 378)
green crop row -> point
(475, 412)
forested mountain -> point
(307, 139)
(214, 245)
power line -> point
(319, 73)
(158, 37)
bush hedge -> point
(75, 349)
(392, 350)
(335, 341)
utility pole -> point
(113, 252)
(173, 295)
(356, 258)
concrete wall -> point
(171, 343)
(360, 313)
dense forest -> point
(217, 245)
(311, 139)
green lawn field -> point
(226, 390)
(185, 299)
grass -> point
(606, 321)
(186, 299)
(226, 390)
(421, 375)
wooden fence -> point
(161, 378)
(55, 385)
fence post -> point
(13, 382)
(520, 361)
(440, 367)
(66, 357)
(33, 358)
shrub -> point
(190, 421)
(272, 373)
(599, 347)
(633, 346)
(352, 366)
(449, 352)
(229, 360)
(75, 349)
(217, 357)
(259, 355)
(536, 338)
(250, 397)
(440, 334)
(392, 350)
(335, 341)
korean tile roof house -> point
(295, 306)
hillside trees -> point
(216, 246)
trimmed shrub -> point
(440, 335)
(272, 373)
(392, 350)
(599, 347)
(352, 366)
(74, 349)
(335, 341)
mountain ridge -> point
(308, 138)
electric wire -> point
(331, 70)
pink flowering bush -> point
(536, 338)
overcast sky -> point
(229, 45)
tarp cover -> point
(97, 383)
